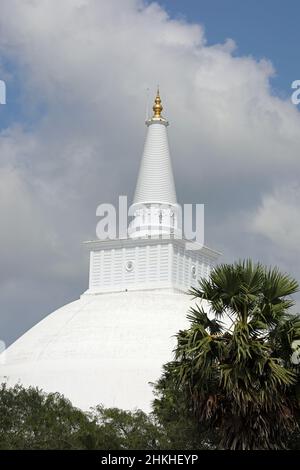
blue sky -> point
(261, 28)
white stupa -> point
(108, 345)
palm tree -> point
(234, 363)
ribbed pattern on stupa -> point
(155, 181)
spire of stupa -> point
(155, 200)
(157, 107)
(155, 182)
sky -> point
(261, 28)
(72, 131)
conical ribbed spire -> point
(155, 181)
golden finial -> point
(157, 107)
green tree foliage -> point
(235, 369)
(31, 419)
(173, 411)
(119, 429)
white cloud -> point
(84, 67)
(278, 218)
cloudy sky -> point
(72, 131)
